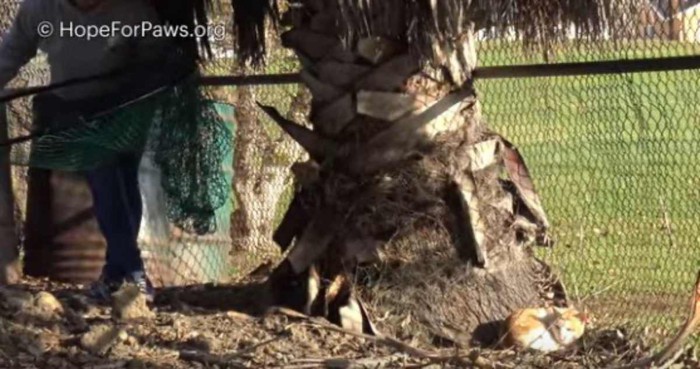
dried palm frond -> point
(249, 19)
(429, 26)
(425, 24)
(7, 11)
(187, 13)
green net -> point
(187, 134)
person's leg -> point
(131, 196)
(117, 206)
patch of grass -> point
(614, 159)
(497, 52)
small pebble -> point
(100, 339)
(130, 304)
(47, 302)
(136, 364)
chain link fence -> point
(263, 182)
(68, 244)
(613, 157)
(18, 112)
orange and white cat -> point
(544, 329)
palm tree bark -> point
(401, 151)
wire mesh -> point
(71, 245)
(263, 184)
(613, 157)
(35, 73)
(173, 257)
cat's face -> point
(575, 326)
(574, 322)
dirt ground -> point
(50, 325)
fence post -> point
(9, 242)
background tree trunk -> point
(10, 271)
(262, 154)
(261, 176)
(19, 120)
(9, 240)
(406, 181)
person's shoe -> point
(143, 283)
(103, 288)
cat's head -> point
(574, 320)
(571, 312)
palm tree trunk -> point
(406, 176)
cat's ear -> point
(583, 317)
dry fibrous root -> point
(397, 146)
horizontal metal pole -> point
(510, 71)
(590, 68)
(494, 72)
(260, 79)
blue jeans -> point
(117, 206)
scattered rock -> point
(33, 346)
(237, 315)
(76, 323)
(10, 273)
(181, 328)
(131, 341)
(108, 365)
(101, 338)
(136, 364)
(48, 303)
(78, 303)
(201, 342)
(56, 362)
(129, 303)
(14, 299)
(123, 336)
